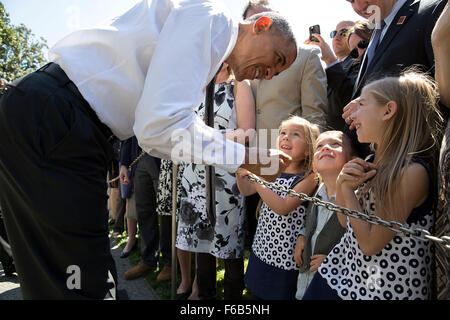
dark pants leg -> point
(234, 279)
(206, 276)
(145, 188)
(165, 240)
(251, 204)
(119, 225)
(53, 191)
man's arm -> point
(314, 90)
(183, 62)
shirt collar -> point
(388, 20)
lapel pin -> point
(401, 20)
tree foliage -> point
(20, 51)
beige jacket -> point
(300, 90)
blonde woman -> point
(400, 118)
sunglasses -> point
(341, 33)
(363, 44)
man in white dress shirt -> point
(142, 74)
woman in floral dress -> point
(225, 239)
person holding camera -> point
(339, 64)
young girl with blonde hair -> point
(272, 271)
(399, 117)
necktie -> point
(374, 44)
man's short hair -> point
(280, 26)
(253, 4)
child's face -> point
(329, 153)
(368, 119)
(291, 140)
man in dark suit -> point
(402, 39)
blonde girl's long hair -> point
(413, 130)
(311, 132)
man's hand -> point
(349, 110)
(328, 55)
(123, 175)
(266, 163)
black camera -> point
(314, 29)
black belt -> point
(55, 71)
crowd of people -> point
(362, 123)
(290, 240)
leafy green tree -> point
(20, 51)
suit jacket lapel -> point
(394, 28)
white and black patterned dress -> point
(272, 271)
(402, 270)
(195, 232)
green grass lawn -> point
(163, 289)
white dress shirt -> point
(145, 72)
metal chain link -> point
(129, 167)
(417, 233)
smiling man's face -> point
(263, 56)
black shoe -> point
(112, 222)
(184, 295)
(126, 254)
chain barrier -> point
(417, 233)
(129, 167)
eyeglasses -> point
(341, 33)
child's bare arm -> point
(245, 186)
(283, 206)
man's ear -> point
(391, 109)
(262, 24)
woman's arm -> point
(245, 113)
(283, 206)
(411, 192)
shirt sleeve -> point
(182, 65)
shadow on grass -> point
(163, 289)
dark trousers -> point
(121, 206)
(5, 258)
(251, 205)
(155, 237)
(53, 159)
(206, 277)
